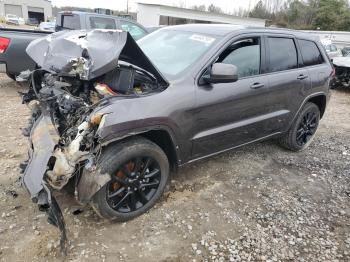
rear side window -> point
(102, 23)
(71, 22)
(283, 54)
(310, 53)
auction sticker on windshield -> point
(202, 38)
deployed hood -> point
(342, 61)
(89, 54)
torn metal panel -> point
(67, 158)
(89, 54)
(44, 138)
(90, 183)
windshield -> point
(174, 51)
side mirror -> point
(222, 73)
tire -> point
(131, 164)
(303, 129)
(12, 76)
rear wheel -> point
(139, 170)
(303, 129)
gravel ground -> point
(256, 203)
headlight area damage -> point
(80, 74)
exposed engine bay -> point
(70, 102)
(64, 95)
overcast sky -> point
(226, 5)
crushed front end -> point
(79, 75)
(341, 76)
(62, 139)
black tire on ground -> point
(13, 77)
(140, 170)
(303, 129)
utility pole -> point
(127, 6)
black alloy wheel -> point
(303, 129)
(307, 128)
(134, 184)
(139, 171)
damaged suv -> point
(112, 116)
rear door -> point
(288, 81)
(316, 64)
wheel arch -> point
(321, 101)
(161, 137)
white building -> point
(39, 9)
(153, 15)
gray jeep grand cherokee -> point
(114, 116)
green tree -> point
(332, 15)
(214, 9)
(260, 11)
(199, 7)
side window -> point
(102, 23)
(71, 22)
(245, 55)
(283, 54)
(310, 53)
(135, 31)
(333, 48)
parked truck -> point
(13, 42)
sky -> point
(226, 5)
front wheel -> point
(12, 76)
(303, 129)
(139, 170)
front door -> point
(232, 114)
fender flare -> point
(92, 180)
(305, 101)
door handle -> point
(301, 77)
(257, 85)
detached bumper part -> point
(44, 138)
(48, 203)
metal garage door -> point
(13, 10)
(35, 9)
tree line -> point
(297, 14)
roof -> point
(199, 11)
(227, 29)
(211, 29)
(96, 14)
(193, 14)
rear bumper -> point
(44, 137)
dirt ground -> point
(256, 203)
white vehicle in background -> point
(12, 19)
(21, 21)
(47, 26)
(331, 49)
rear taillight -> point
(4, 43)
